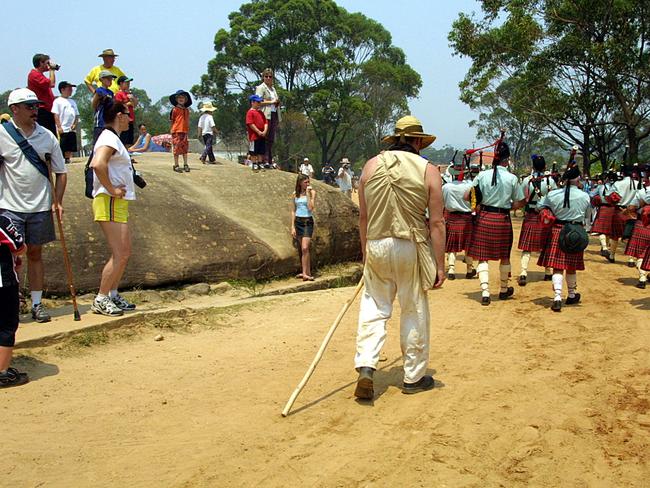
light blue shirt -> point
(626, 188)
(302, 210)
(503, 193)
(453, 193)
(578, 201)
(526, 188)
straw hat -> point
(409, 126)
(207, 107)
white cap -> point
(306, 159)
(23, 95)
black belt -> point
(488, 208)
(562, 222)
(458, 212)
(304, 219)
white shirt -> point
(453, 195)
(66, 109)
(206, 123)
(306, 169)
(626, 188)
(345, 179)
(22, 187)
(120, 171)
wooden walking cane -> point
(66, 257)
(320, 352)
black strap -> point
(489, 208)
(27, 149)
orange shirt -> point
(180, 120)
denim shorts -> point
(36, 227)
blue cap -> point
(255, 98)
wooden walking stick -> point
(66, 257)
(320, 352)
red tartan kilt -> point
(553, 257)
(491, 237)
(645, 265)
(609, 221)
(533, 234)
(459, 231)
(639, 242)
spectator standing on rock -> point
(93, 78)
(42, 87)
(27, 196)
(271, 108)
(306, 168)
(11, 244)
(257, 128)
(125, 96)
(66, 116)
(302, 218)
(207, 131)
(180, 127)
(113, 189)
(345, 178)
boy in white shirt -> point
(207, 129)
(66, 117)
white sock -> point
(470, 264)
(504, 276)
(525, 259)
(603, 241)
(572, 284)
(548, 271)
(451, 259)
(36, 297)
(613, 247)
(557, 285)
(643, 275)
(484, 277)
(99, 297)
(112, 293)
(631, 260)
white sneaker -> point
(105, 306)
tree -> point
(323, 58)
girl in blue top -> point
(302, 223)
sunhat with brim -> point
(172, 98)
(5, 118)
(409, 126)
(106, 74)
(207, 107)
(107, 52)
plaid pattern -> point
(533, 234)
(645, 265)
(639, 242)
(553, 257)
(609, 221)
(491, 237)
(459, 231)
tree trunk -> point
(633, 143)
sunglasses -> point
(31, 106)
(267, 76)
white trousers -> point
(391, 269)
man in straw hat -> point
(402, 254)
(92, 79)
(492, 234)
(207, 131)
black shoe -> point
(485, 301)
(423, 384)
(572, 300)
(557, 305)
(640, 285)
(611, 258)
(548, 277)
(365, 389)
(521, 281)
(451, 276)
(604, 253)
(504, 295)
(13, 377)
(631, 264)
(470, 275)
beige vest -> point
(397, 197)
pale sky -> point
(164, 47)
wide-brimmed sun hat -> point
(107, 52)
(207, 107)
(409, 126)
(172, 98)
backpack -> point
(573, 238)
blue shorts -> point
(36, 227)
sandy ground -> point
(524, 397)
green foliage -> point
(4, 108)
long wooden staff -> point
(320, 352)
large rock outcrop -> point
(215, 223)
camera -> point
(54, 66)
(138, 179)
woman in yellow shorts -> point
(113, 188)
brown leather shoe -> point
(365, 388)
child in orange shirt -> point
(180, 118)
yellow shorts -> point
(110, 209)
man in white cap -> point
(27, 197)
(92, 79)
(207, 131)
(344, 177)
(306, 168)
(403, 254)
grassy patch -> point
(253, 287)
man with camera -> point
(345, 178)
(42, 86)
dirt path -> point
(525, 398)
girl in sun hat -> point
(180, 126)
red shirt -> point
(122, 96)
(257, 118)
(40, 84)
